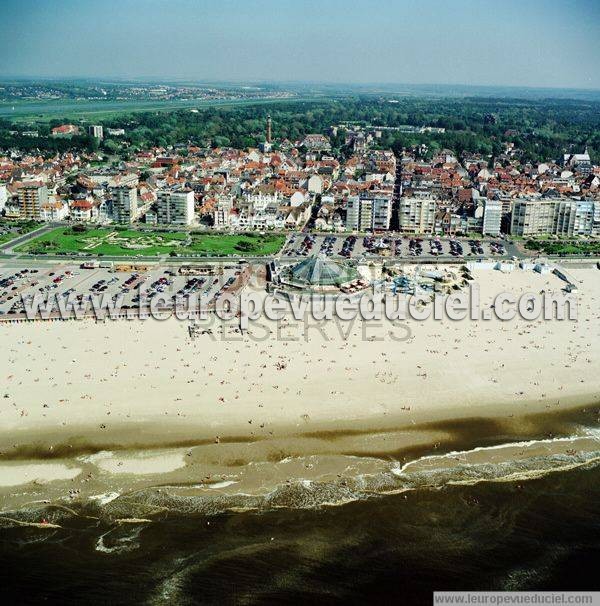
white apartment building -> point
(245, 216)
(417, 215)
(221, 214)
(532, 217)
(368, 213)
(114, 179)
(124, 204)
(270, 218)
(492, 217)
(175, 207)
(96, 131)
(382, 213)
(587, 218)
(365, 214)
(84, 211)
(561, 217)
(315, 184)
(54, 210)
(353, 213)
(260, 200)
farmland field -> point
(129, 242)
(43, 110)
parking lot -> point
(104, 283)
(302, 245)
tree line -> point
(541, 129)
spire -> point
(268, 129)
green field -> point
(127, 242)
(9, 230)
(241, 244)
(44, 110)
(574, 247)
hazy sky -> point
(511, 42)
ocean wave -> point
(223, 484)
(433, 470)
(592, 432)
(313, 494)
(117, 540)
(458, 453)
(105, 498)
(522, 578)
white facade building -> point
(84, 210)
(96, 131)
(124, 204)
(352, 213)
(175, 207)
(54, 210)
(221, 214)
(560, 217)
(368, 213)
(382, 213)
(260, 200)
(492, 217)
(417, 215)
(3, 196)
(315, 184)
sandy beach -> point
(72, 391)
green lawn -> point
(239, 244)
(128, 242)
(11, 229)
(553, 247)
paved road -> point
(8, 247)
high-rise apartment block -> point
(96, 131)
(124, 204)
(32, 196)
(175, 207)
(368, 213)
(492, 217)
(417, 215)
(560, 217)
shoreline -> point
(310, 470)
(240, 468)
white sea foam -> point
(124, 543)
(222, 484)
(592, 432)
(105, 498)
(95, 457)
(527, 474)
(400, 471)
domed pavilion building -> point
(321, 274)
